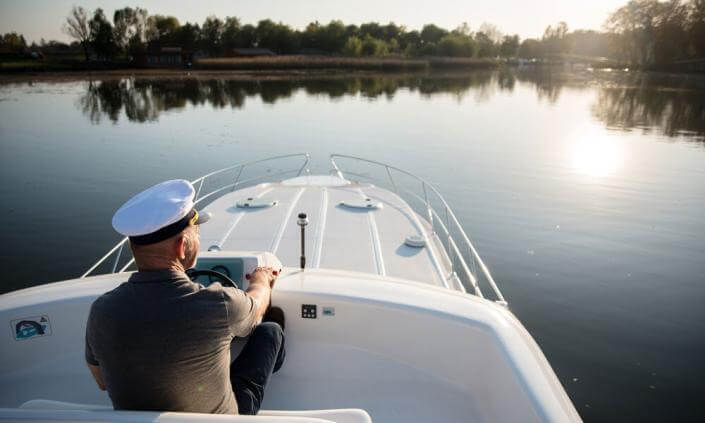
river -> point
(584, 192)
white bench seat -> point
(41, 410)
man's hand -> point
(266, 274)
(261, 282)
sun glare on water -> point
(595, 153)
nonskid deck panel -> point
(337, 237)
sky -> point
(38, 19)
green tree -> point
(492, 32)
(332, 37)
(696, 30)
(211, 35)
(102, 35)
(123, 27)
(76, 27)
(161, 29)
(671, 36)
(431, 33)
(353, 46)
(188, 36)
(485, 46)
(246, 37)
(373, 47)
(555, 40)
(373, 29)
(456, 45)
(428, 49)
(231, 28)
(310, 36)
(14, 41)
(276, 36)
(392, 31)
(509, 46)
(634, 24)
(410, 41)
(530, 48)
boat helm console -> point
(236, 265)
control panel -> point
(237, 265)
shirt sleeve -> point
(90, 357)
(241, 311)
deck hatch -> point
(364, 204)
(255, 203)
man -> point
(162, 342)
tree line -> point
(643, 32)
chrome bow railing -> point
(446, 221)
(199, 183)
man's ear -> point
(180, 247)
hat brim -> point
(203, 217)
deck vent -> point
(367, 204)
(254, 203)
(415, 241)
(214, 247)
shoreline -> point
(285, 74)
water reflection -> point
(671, 105)
(595, 153)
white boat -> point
(379, 324)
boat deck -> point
(339, 222)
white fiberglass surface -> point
(336, 237)
(385, 347)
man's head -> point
(179, 251)
(162, 226)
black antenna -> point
(303, 221)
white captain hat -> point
(158, 213)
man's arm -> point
(98, 376)
(260, 289)
(91, 361)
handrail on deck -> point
(198, 198)
(431, 213)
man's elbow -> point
(98, 376)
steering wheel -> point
(193, 274)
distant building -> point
(165, 57)
(313, 52)
(251, 52)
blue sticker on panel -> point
(30, 327)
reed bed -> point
(310, 62)
(462, 62)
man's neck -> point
(152, 266)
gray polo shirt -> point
(163, 342)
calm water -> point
(583, 192)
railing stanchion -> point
(452, 261)
(303, 166)
(117, 259)
(200, 185)
(237, 179)
(389, 173)
(428, 205)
